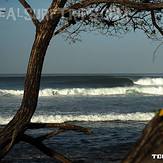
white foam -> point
(83, 91)
(149, 90)
(87, 118)
(150, 82)
(5, 92)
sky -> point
(130, 53)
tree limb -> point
(43, 148)
(62, 29)
(127, 3)
(49, 135)
(63, 126)
(155, 23)
(86, 3)
(155, 51)
(30, 12)
(55, 6)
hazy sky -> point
(95, 54)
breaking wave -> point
(145, 86)
(150, 82)
(87, 118)
(152, 90)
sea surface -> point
(115, 107)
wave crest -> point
(87, 118)
(90, 91)
(150, 82)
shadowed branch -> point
(62, 29)
(63, 126)
(43, 148)
(50, 134)
(30, 12)
(155, 23)
(127, 3)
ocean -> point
(115, 107)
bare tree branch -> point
(155, 23)
(55, 6)
(62, 29)
(50, 134)
(155, 51)
(30, 12)
(63, 126)
(43, 148)
(127, 3)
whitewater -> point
(116, 109)
(156, 90)
(86, 118)
(145, 86)
(149, 82)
